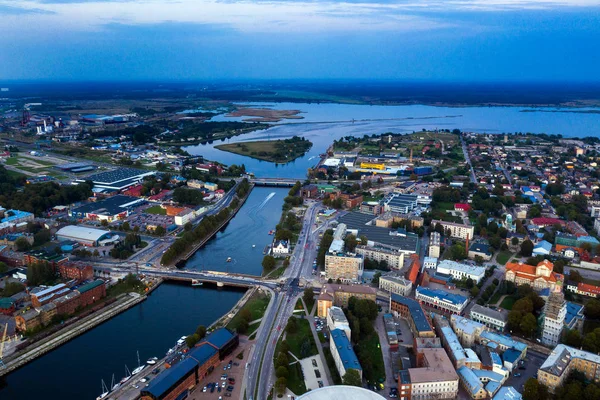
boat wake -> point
(265, 201)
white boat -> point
(104, 391)
(228, 259)
(127, 376)
(114, 386)
(197, 282)
(152, 361)
(253, 246)
(140, 367)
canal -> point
(245, 237)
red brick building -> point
(351, 200)
(46, 295)
(68, 303)
(91, 292)
(78, 272)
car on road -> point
(204, 389)
(517, 375)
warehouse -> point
(110, 209)
(118, 179)
(87, 236)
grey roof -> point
(358, 221)
(111, 205)
(117, 175)
(499, 315)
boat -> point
(140, 366)
(114, 386)
(104, 391)
(152, 361)
(228, 259)
(197, 282)
(271, 232)
(253, 246)
(127, 376)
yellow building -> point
(338, 295)
(563, 360)
(367, 165)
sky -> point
(459, 40)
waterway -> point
(249, 227)
(323, 123)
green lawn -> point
(253, 327)
(299, 305)
(321, 337)
(15, 174)
(257, 305)
(508, 302)
(276, 273)
(503, 257)
(12, 161)
(296, 339)
(156, 210)
(371, 346)
(442, 206)
(495, 298)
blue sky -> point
(478, 40)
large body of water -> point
(323, 123)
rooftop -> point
(503, 340)
(219, 337)
(416, 312)
(91, 285)
(202, 353)
(465, 325)
(508, 393)
(442, 296)
(117, 175)
(470, 380)
(464, 268)
(82, 232)
(340, 392)
(360, 289)
(111, 205)
(357, 221)
(562, 355)
(495, 314)
(439, 368)
(337, 315)
(163, 383)
(344, 349)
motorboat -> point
(197, 282)
(152, 361)
(228, 259)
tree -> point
(160, 231)
(268, 263)
(352, 378)
(292, 326)
(41, 237)
(474, 291)
(528, 325)
(458, 252)
(469, 283)
(526, 248)
(514, 241)
(572, 338)
(3, 267)
(350, 243)
(12, 288)
(281, 384)
(375, 280)
(282, 372)
(201, 331)
(592, 309)
(191, 340)
(531, 390)
(22, 244)
(308, 296)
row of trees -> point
(522, 318)
(205, 228)
(361, 314)
(195, 337)
(40, 273)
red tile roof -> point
(584, 287)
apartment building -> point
(555, 312)
(394, 259)
(435, 244)
(460, 271)
(441, 300)
(456, 230)
(395, 284)
(435, 378)
(491, 318)
(338, 295)
(565, 359)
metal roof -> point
(341, 392)
(165, 381)
(219, 337)
(416, 312)
(89, 286)
(442, 296)
(76, 232)
(202, 353)
(470, 380)
(344, 349)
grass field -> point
(295, 381)
(295, 340)
(503, 257)
(268, 150)
(156, 210)
(372, 346)
(495, 298)
(257, 305)
(508, 302)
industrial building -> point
(565, 359)
(117, 179)
(87, 236)
(343, 354)
(110, 209)
(401, 203)
(441, 300)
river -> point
(323, 123)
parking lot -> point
(225, 376)
(526, 370)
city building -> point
(467, 331)
(80, 272)
(491, 318)
(434, 245)
(44, 257)
(481, 384)
(46, 294)
(351, 201)
(513, 351)
(401, 203)
(91, 292)
(538, 277)
(309, 191)
(456, 230)
(471, 383)
(460, 271)
(348, 267)
(565, 359)
(542, 248)
(371, 207)
(110, 209)
(342, 352)
(480, 250)
(459, 355)
(413, 269)
(87, 236)
(394, 259)
(118, 179)
(281, 248)
(441, 300)
(338, 295)
(28, 320)
(390, 331)
(574, 318)
(340, 392)
(583, 289)
(395, 284)
(430, 263)
(508, 393)
(555, 311)
(14, 220)
(413, 312)
(7, 306)
(434, 377)
(336, 319)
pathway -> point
(311, 321)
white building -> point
(394, 259)
(281, 248)
(460, 231)
(459, 271)
(441, 300)
(555, 312)
(395, 284)
(491, 318)
(430, 262)
(336, 319)
(434, 244)
(467, 331)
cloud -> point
(6, 9)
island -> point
(276, 151)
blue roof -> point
(508, 393)
(511, 355)
(503, 340)
(165, 381)
(545, 292)
(573, 311)
(219, 338)
(495, 358)
(589, 239)
(492, 387)
(490, 375)
(442, 295)
(15, 214)
(416, 312)
(202, 353)
(470, 380)
(545, 245)
(344, 349)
